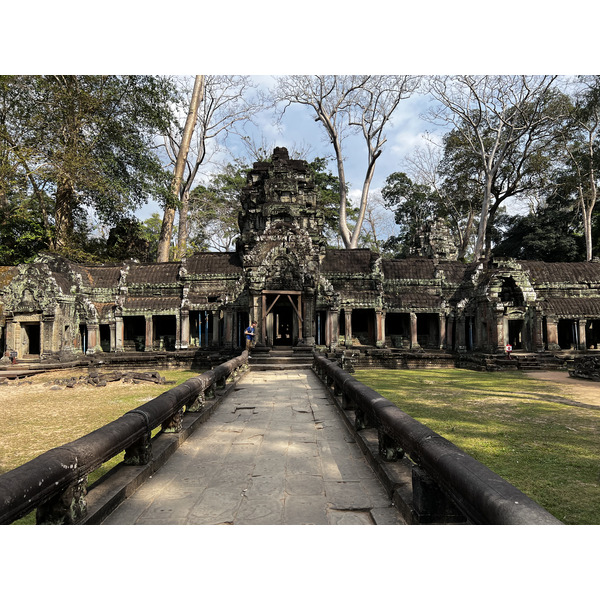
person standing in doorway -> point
(250, 332)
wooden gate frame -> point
(278, 294)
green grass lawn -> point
(512, 424)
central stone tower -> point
(281, 246)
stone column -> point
(348, 325)
(10, 334)
(308, 323)
(256, 314)
(552, 333)
(442, 329)
(414, 341)
(119, 333)
(185, 328)
(149, 341)
(47, 337)
(113, 337)
(93, 338)
(178, 331)
(461, 345)
(380, 321)
(500, 329)
(449, 340)
(334, 328)
(582, 340)
(215, 320)
(538, 335)
(228, 328)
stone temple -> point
(300, 292)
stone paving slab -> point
(274, 452)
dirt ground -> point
(581, 390)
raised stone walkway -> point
(275, 452)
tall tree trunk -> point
(478, 251)
(166, 232)
(63, 213)
(182, 231)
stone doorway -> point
(283, 319)
(30, 339)
(515, 334)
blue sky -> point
(298, 129)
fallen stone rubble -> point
(101, 379)
(97, 379)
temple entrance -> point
(30, 338)
(515, 333)
(567, 334)
(282, 318)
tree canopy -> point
(512, 170)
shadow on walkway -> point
(274, 452)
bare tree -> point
(580, 146)
(504, 120)
(225, 103)
(344, 104)
(166, 232)
(425, 167)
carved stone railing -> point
(445, 480)
(55, 483)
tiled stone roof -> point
(153, 273)
(409, 268)
(101, 276)
(347, 261)
(152, 303)
(576, 307)
(542, 272)
(225, 263)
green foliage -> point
(22, 232)
(86, 142)
(214, 208)
(551, 234)
(413, 205)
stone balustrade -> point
(447, 483)
(55, 483)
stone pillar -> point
(308, 323)
(380, 320)
(334, 328)
(46, 339)
(582, 340)
(228, 328)
(348, 325)
(449, 340)
(10, 334)
(461, 345)
(552, 333)
(119, 333)
(178, 331)
(149, 341)
(93, 338)
(113, 337)
(442, 329)
(538, 335)
(185, 328)
(414, 341)
(256, 314)
(501, 327)
(215, 320)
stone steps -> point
(280, 360)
